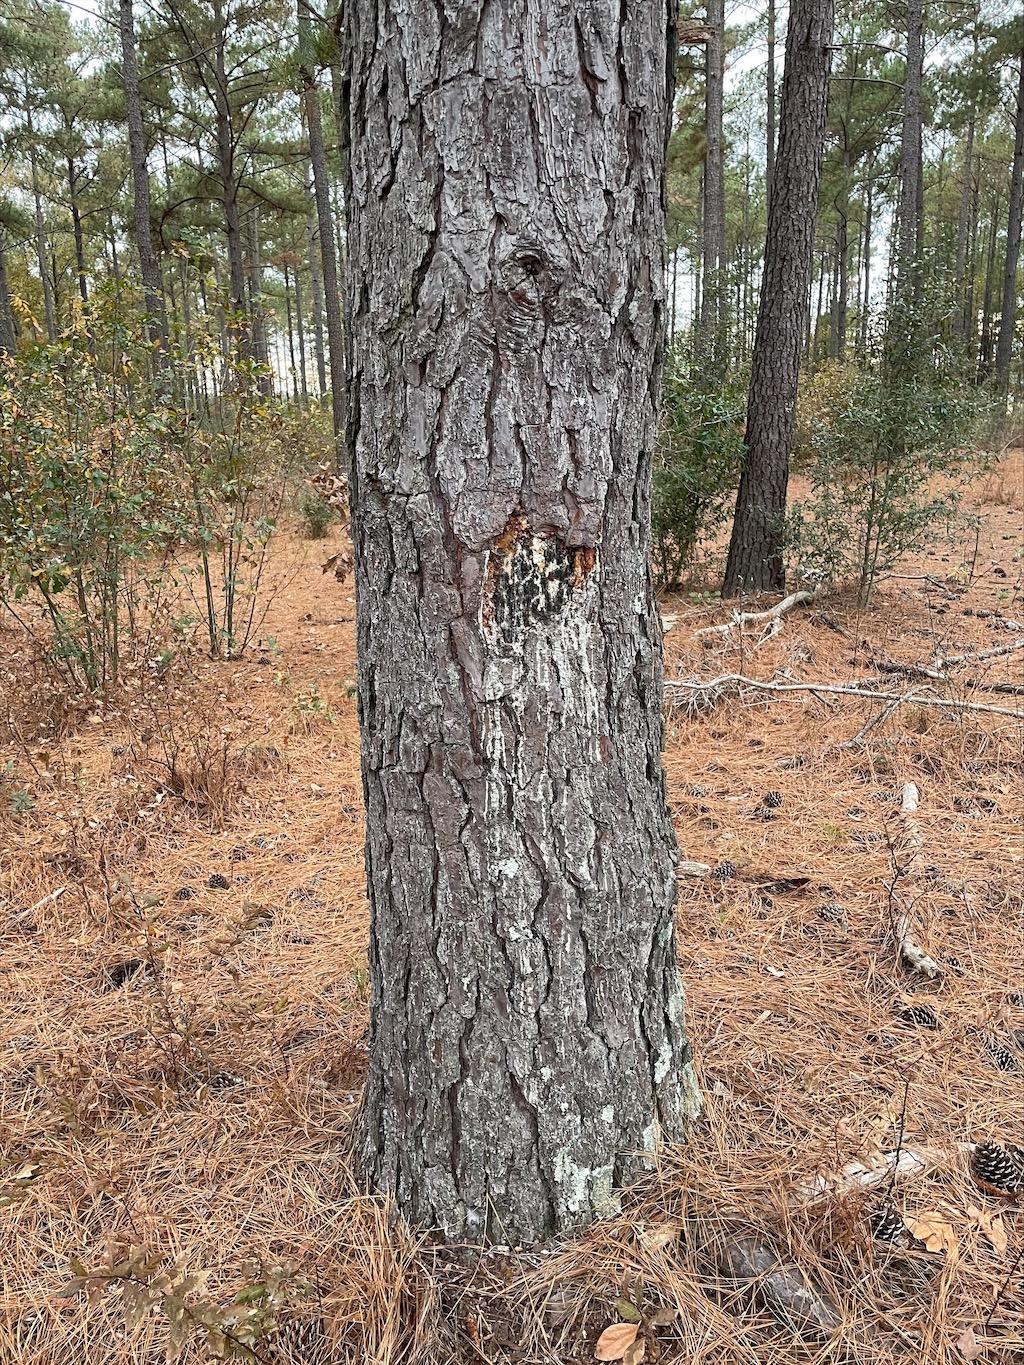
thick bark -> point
(713, 305)
(325, 226)
(755, 561)
(507, 313)
(149, 265)
(1008, 315)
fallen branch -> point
(969, 657)
(863, 1175)
(770, 617)
(912, 955)
(717, 688)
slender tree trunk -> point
(7, 338)
(325, 225)
(755, 562)
(865, 316)
(909, 224)
(300, 332)
(316, 289)
(149, 265)
(1008, 314)
(769, 166)
(962, 231)
(970, 305)
(988, 295)
(258, 319)
(713, 303)
(289, 324)
(225, 137)
(79, 239)
(526, 1050)
(42, 261)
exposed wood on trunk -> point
(507, 313)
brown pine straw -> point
(203, 1107)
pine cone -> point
(724, 872)
(831, 911)
(922, 1015)
(1001, 1056)
(887, 1226)
(300, 1341)
(771, 800)
(218, 882)
(997, 1169)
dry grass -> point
(179, 1070)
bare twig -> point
(718, 687)
(768, 618)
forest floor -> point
(185, 994)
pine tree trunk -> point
(1008, 314)
(909, 223)
(300, 332)
(149, 265)
(77, 235)
(769, 166)
(317, 291)
(962, 230)
(7, 338)
(225, 138)
(865, 317)
(755, 562)
(507, 314)
(325, 225)
(713, 310)
(988, 295)
(49, 307)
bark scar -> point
(531, 578)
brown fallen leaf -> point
(636, 1353)
(661, 1235)
(615, 1341)
(933, 1230)
(663, 1317)
(969, 1346)
(991, 1224)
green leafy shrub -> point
(316, 513)
(124, 494)
(886, 472)
(696, 467)
(822, 398)
(85, 492)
